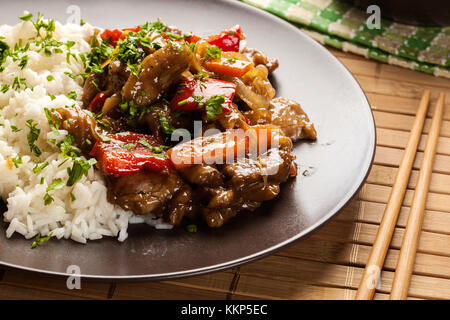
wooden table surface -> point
(328, 264)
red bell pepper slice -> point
(126, 153)
(193, 93)
(192, 38)
(117, 34)
(98, 102)
(227, 40)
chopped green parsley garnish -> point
(23, 62)
(201, 76)
(145, 143)
(4, 53)
(18, 82)
(128, 146)
(199, 100)
(17, 160)
(14, 128)
(178, 113)
(38, 168)
(26, 16)
(40, 240)
(102, 121)
(213, 52)
(48, 199)
(53, 123)
(32, 136)
(213, 105)
(65, 160)
(68, 150)
(72, 95)
(133, 112)
(5, 88)
(135, 69)
(157, 151)
(50, 78)
(104, 138)
(166, 126)
(192, 228)
(55, 185)
(80, 167)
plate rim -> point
(268, 251)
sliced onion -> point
(199, 52)
(253, 100)
(239, 56)
(257, 79)
(111, 103)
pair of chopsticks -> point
(408, 249)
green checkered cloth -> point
(340, 25)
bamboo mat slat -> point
(401, 105)
(385, 176)
(396, 88)
(398, 139)
(339, 276)
(377, 193)
(391, 157)
(251, 286)
(329, 263)
(371, 213)
(364, 233)
(32, 281)
(210, 286)
(357, 255)
(389, 120)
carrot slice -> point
(228, 66)
(224, 147)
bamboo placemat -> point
(330, 263)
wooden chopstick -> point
(380, 247)
(405, 263)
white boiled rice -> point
(90, 216)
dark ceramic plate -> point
(335, 166)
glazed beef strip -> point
(257, 57)
(159, 71)
(80, 124)
(144, 192)
(288, 116)
(224, 190)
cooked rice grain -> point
(90, 216)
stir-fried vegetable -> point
(229, 65)
(227, 40)
(126, 153)
(224, 147)
(114, 35)
(98, 102)
(210, 95)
